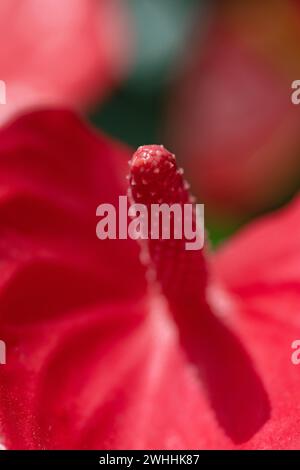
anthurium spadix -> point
(139, 222)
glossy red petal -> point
(63, 299)
(265, 263)
(260, 297)
(160, 404)
(59, 372)
(54, 172)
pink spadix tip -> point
(155, 178)
(150, 156)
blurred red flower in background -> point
(95, 359)
(231, 113)
(61, 51)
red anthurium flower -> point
(197, 357)
(231, 113)
(60, 51)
